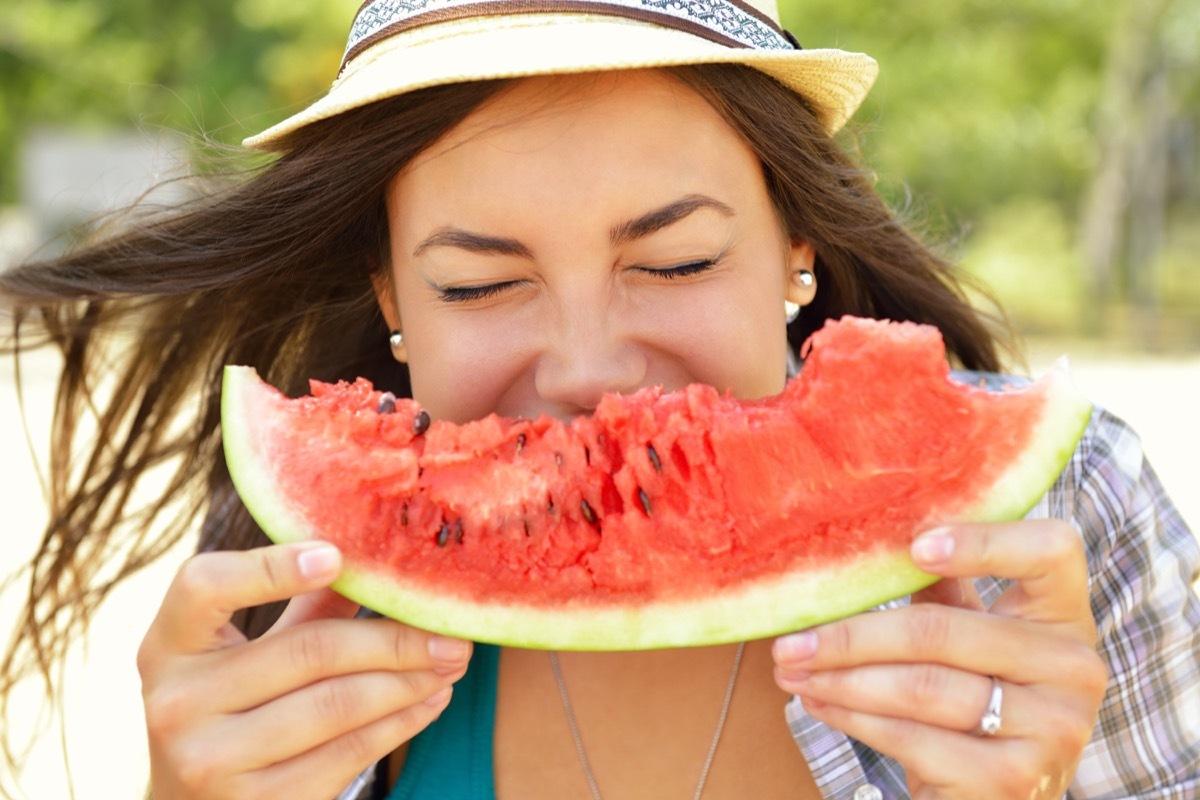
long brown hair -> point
(273, 270)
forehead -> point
(583, 127)
(536, 112)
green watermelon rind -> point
(764, 607)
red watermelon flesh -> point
(664, 518)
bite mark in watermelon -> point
(664, 518)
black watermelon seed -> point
(650, 451)
(387, 403)
(458, 531)
(404, 514)
(644, 499)
(520, 442)
(443, 535)
(420, 422)
(588, 513)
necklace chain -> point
(712, 748)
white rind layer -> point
(762, 608)
(1065, 415)
(254, 478)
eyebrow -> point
(474, 242)
(669, 214)
(638, 228)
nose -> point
(585, 356)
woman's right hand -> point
(296, 713)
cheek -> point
(462, 370)
(732, 337)
(756, 354)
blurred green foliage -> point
(990, 122)
(220, 68)
(977, 100)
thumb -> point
(929, 550)
(210, 587)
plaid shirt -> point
(1143, 562)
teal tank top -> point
(452, 758)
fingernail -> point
(438, 698)
(933, 547)
(796, 646)
(452, 652)
(319, 561)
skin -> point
(297, 712)
(577, 302)
(910, 682)
(527, 247)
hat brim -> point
(834, 82)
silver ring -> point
(990, 723)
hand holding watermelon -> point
(913, 682)
(306, 705)
(457, 527)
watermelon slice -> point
(664, 518)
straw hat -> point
(397, 46)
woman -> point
(633, 204)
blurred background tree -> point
(1053, 143)
(220, 67)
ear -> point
(382, 283)
(801, 282)
(386, 298)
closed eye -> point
(681, 270)
(467, 294)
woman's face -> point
(588, 234)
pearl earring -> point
(792, 310)
(396, 342)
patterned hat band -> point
(730, 23)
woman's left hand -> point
(913, 683)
